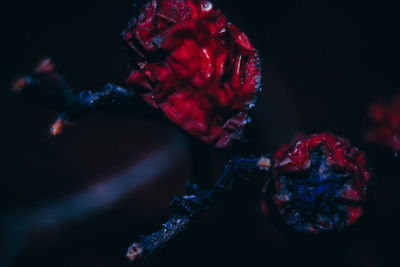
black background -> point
(323, 64)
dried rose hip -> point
(319, 184)
(386, 124)
(199, 69)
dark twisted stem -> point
(47, 86)
(237, 171)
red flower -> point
(199, 69)
(319, 183)
(386, 120)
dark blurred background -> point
(81, 198)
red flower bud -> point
(199, 69)
(319, 184)
(386, 124)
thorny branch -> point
(48, 86)
(237, 171)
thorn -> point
(58, 126)
(135, 252)
(45, 66)
(19, 85)
(264, 163)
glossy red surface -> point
(340, 155)
(195, 66)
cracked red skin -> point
(339, 157)
(199, 69)
(386, 124)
